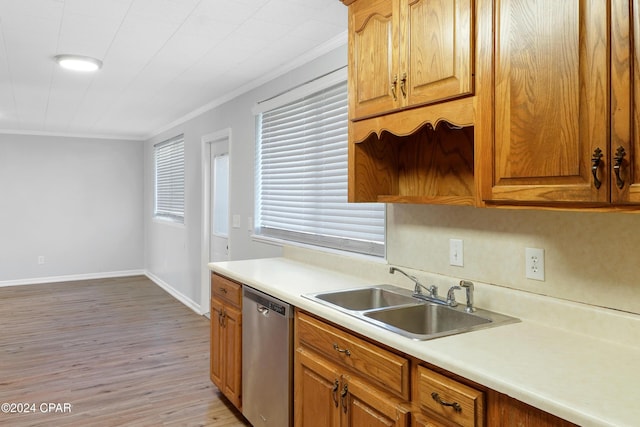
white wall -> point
(590, 257)
(75, 201)
(172, 253)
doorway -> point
(216, 158)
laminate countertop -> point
(586, 379)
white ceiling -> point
(163, 59)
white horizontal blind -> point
(302, 177)
(169, 165)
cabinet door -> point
(363, 405)
(373, 41)
(232, 328)
(551, 100)
(217, 345)
(420, 420)
(625, 102)
(437, 49)
(316, 391)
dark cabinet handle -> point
(596, 159)
(403, 85)
(393, 87)
(334, 392)
(455, 405)
(223, 290)
(343, 397)
(619, 157)
(337, 348)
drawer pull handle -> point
(336, 385)
(455, 405)
(337, 348)
(223, 290)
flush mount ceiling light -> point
(78, 63)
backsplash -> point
(589, 257)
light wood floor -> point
(121, 352)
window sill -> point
(283, 243)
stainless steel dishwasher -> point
(267, 326)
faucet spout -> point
(417, 283)
(432, 291)
(417, 291)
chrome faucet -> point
(451, 297)
(432, 295)
(417, 283)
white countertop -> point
(583, 379)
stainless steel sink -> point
(395, 309)
(368, 298)
(426, 319)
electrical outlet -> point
(534, 263)
(41, 259)
(456, 252)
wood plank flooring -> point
(119, 352)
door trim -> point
(205, 142)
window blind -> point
(169, 165)
(302, 177)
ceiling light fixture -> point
(78, 63)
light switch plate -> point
(456, 252)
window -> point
(169, 165)
(302, 176)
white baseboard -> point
(174, 293)
(71, 278)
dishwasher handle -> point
(262, 309)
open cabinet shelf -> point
(428, 166)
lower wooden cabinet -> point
(226, 337)
(505, 411)
(329, 387)
(437, 397)
(337, 383)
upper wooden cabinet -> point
(407, 53)
(556, 121)
(550, 101)
(406, 144)
(625, 103)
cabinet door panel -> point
(373, 58)
(217, 345)
(316, 391)
(551, 100)
(364, 405)
(630, 168)
(233, 355)
(439, 49)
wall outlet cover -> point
(534, 263)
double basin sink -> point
(397, 310)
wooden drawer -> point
(226, 290)
(453, 401)
(384, 368)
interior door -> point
(219, 233)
